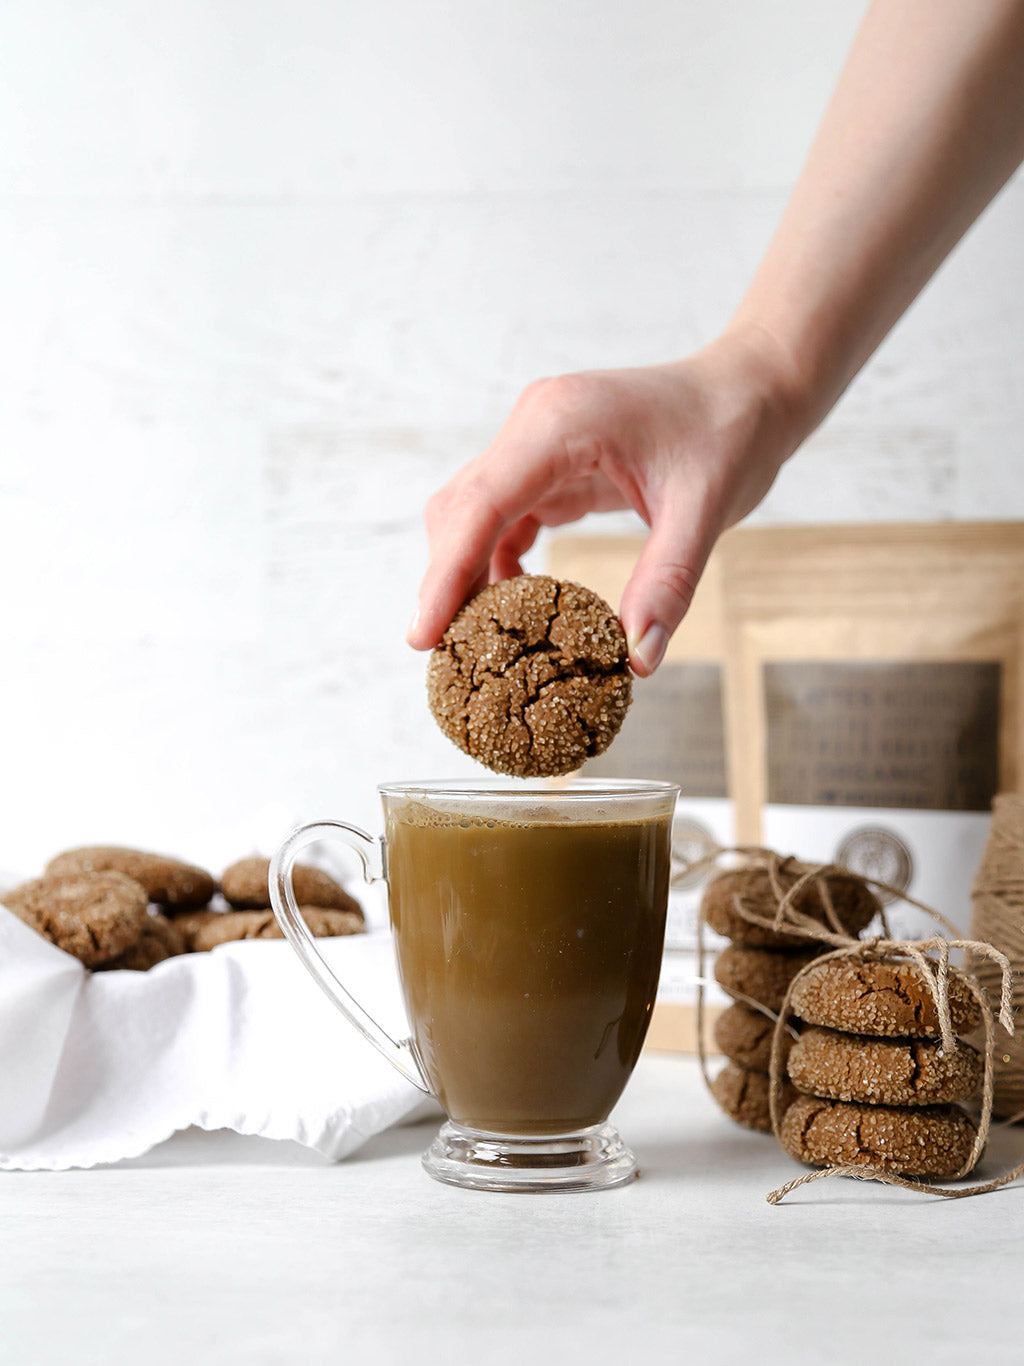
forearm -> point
(925, 126)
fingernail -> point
(413, 624)
(650, 648)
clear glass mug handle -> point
(401, 1054)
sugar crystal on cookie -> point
(532, 677)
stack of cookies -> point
(876, 1087)
(112, 907)
(757, 967)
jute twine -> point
(998, 918)
(932, 959)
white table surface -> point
(218, 1248)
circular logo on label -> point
(877, 852)
(691, 842)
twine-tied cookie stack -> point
(760, 962)
(889, 1083)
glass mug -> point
(528, 926)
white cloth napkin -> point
(99, 1066)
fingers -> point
(662, 585)
(495, 498)
(506, 560)
(465, 522)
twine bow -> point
(935, 976)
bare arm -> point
(926, 124)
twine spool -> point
(998, 919)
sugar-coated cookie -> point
(189, 923)
(744, 1036)
(170, 883)
(160, 939)
(881, 997)
(743, 1095)
(879, 1071)
(929, 1141)
(854, 903)
(244, 885)
(762, 975)
(94, 916)
(532, 677)
(206, 931)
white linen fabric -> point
(100, 1066)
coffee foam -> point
(562, 810)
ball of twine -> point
(998, 918)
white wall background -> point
(269, 272)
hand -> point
(692, 446)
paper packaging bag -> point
(873, 706)
(674, 730)
(874, 697)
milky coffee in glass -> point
(528, 926)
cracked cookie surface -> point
(853, 902)
(244, 885)
(934, 1140)
(532, 677)
(745, 1036)
(93, 916)
(160, 939)
(880, 997)
(744, 1096)
(169, 882)
(882, 1071)
(762, 975)
(204, 930)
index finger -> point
(467, 518)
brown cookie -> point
(190, 923)
(854, 903)
(762, 975)
(880, 997)
(744, 1036)
(932, 1140)
(160, 939)
(93, 916)
(174, 885)
(227, 926)
(244, 885)
(532, 677)
(882, 1071)
(743, 1095)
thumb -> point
(661, 587)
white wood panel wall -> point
(271, 272)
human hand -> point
(692, 446)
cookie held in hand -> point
(532, 677)
(93, 916)
(170, 883)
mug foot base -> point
(590, 1159)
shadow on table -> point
(754, 1158)
(741, 1153)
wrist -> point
(791, 388)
